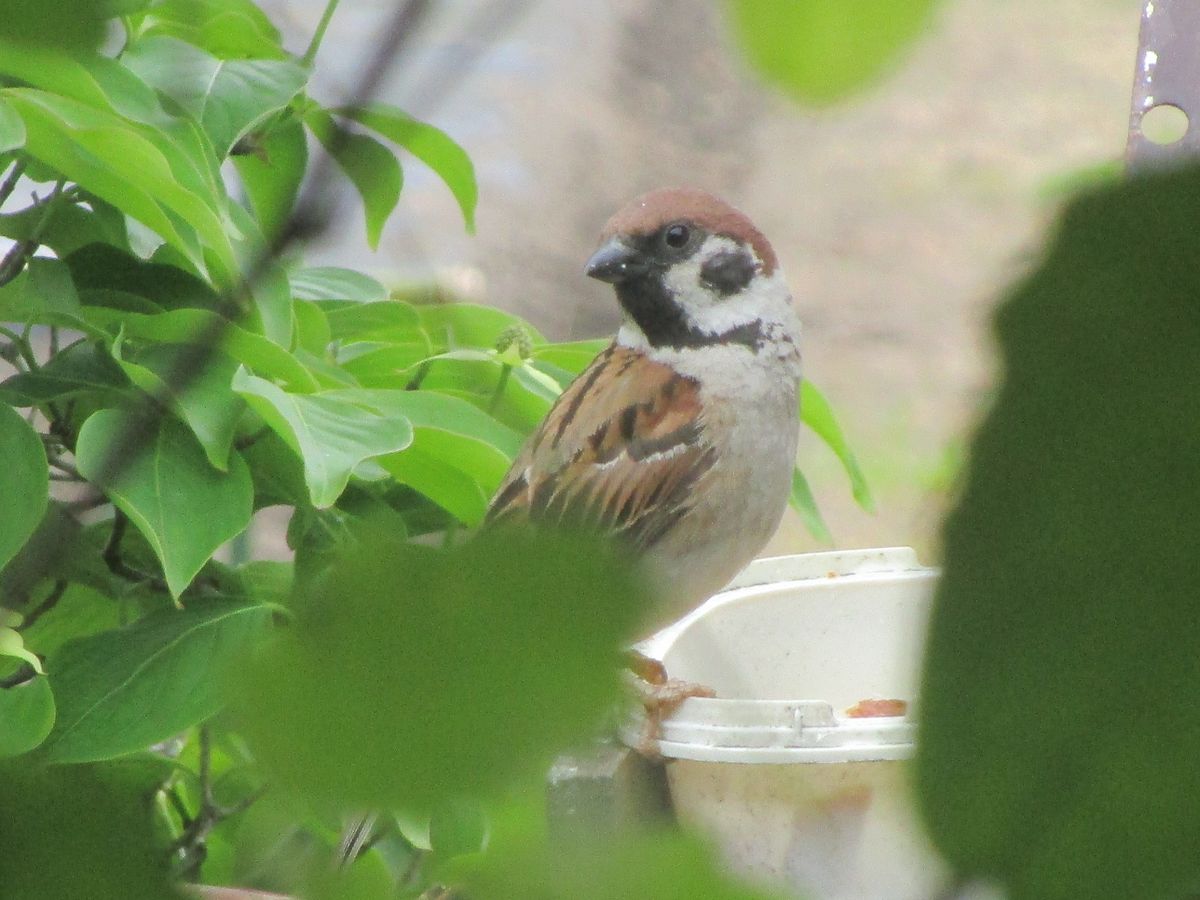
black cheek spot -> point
(728, 271)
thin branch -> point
(56, 592)
(319, 35)
(21, 343)
(117, 565)
(10, 182)
(19, 253)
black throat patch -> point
(653, 309)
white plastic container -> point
(793, 791)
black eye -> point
(677, 236)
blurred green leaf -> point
(1058, 726)
(400, 637)
(186, 326)
(817, 414)
(457, 826)
(373, 169)
(803, 501)
(331, 432)
(664, 865)
(24, 481)
(76, 369)
(227, 97)
(272, 175)
(430, 145)
(121, 691)
(12, 129)
(229, 29)
(207, 404)
(818, 51)
(163, 488)
(104, 820)
(26, 715)
(333, 283)
(75, 26)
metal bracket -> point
(1167, 73)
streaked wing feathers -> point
(621, 450)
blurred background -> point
(899, 216)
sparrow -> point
(679, 439)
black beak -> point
(616, 262)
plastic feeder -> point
(793, 787)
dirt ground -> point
(899, 216)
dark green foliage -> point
(1058, 745)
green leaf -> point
(70, 228)
(333, 283)
(77, 26)
(12, 129)
(331, 432)
(43, 293)
(459, 454)
(11, 645)
(190, 326)
(89, 78)
(272, 176)
(455, 325)
(207, 404)
(271, 314)
(80, 611)
(818, 51)
(1058, 726)
(456, 827)
(370, 165)
(104, 267)
(430, 145)
(664, 864)
(121, 691)
(110, 157)
(97, 812)
(803, 501)
(24, 481)
(387, 319)
(312, 327)
(573, 356)
(817, 414)
(229, 29)
(77, 369)
(401, 637)
(227, 97)
(26, 716)
(162, 489)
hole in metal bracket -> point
(1164, 124)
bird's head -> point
(691, 271)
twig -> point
(319, 35)
(10, 182)
(56, 592)
(190, 845)
(118, 566)
(19, 253)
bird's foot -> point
(660, 695)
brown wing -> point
(622, 450)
